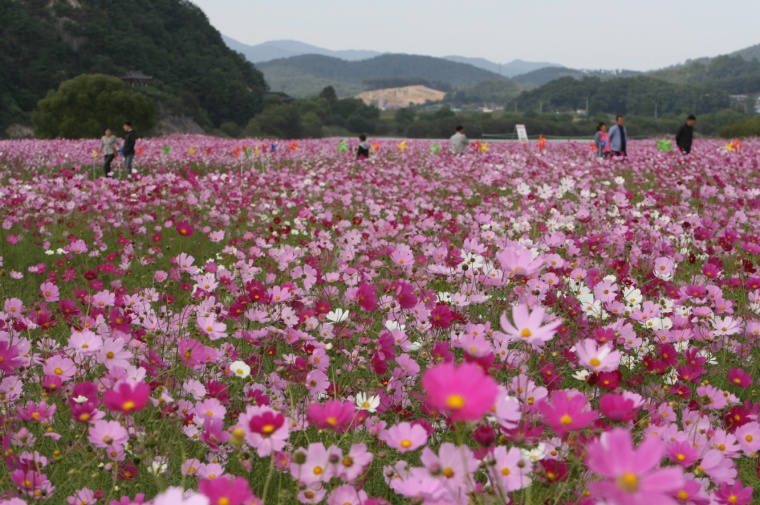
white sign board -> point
(522, 133)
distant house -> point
(284, 97)
(136, 79)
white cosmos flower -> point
(240, 369)
(368, 403)
(393, 325)
(337, 315)
(536, 454)
(581, 375)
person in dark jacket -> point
(362, 151)
(128, 148)
(685, 135)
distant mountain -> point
(511, 69)
(749, 53)
(546, 75)
(278, 49)
(733, 73)
(307, 75)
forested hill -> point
(307, 75)
(44, 42)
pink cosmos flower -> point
(527, 326)
(519, 262)
(631, 476)
(405, 437)
(510, 471)
(566, 413)
(347, 495)
(735, 494)
(9, 359)
(126, 398)
(49, 292)
(597, 358)
(213, 329)
(333, 415)
(313, 465)
(264, 429)
(107, 434)
(465, 392)
(227, 491)
(664, 268)
(605, 291)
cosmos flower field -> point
(247, 324)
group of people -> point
(109, 146)
(615, 142)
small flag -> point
(403, 146)
(167, 150)
(435, 148)
(342, 146)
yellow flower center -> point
(628, 482)
(406, 444)
(566, 420)
(525, 333)
(332, 421)
(317, 470)
(58, 371)
(680, 457)
(224, 501)
(505, 471)
(683, 495)
(267, 428)
(128, 405)
(448, 472)
(455, 401)
(594, 362)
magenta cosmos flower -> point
(631, 476)
(126, 398)
(333, 415)
(527, 326)
(465, 392)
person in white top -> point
(109, 147)
(458, 142)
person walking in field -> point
(619, 138)
(108, 146)
(458, 142)
(685, 135)
(128, 149)
(602, 140)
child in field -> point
(602, 140)
(362, 151)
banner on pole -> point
(522, 133)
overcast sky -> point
(592, 34)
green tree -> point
(83, 106)
(329, 94)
